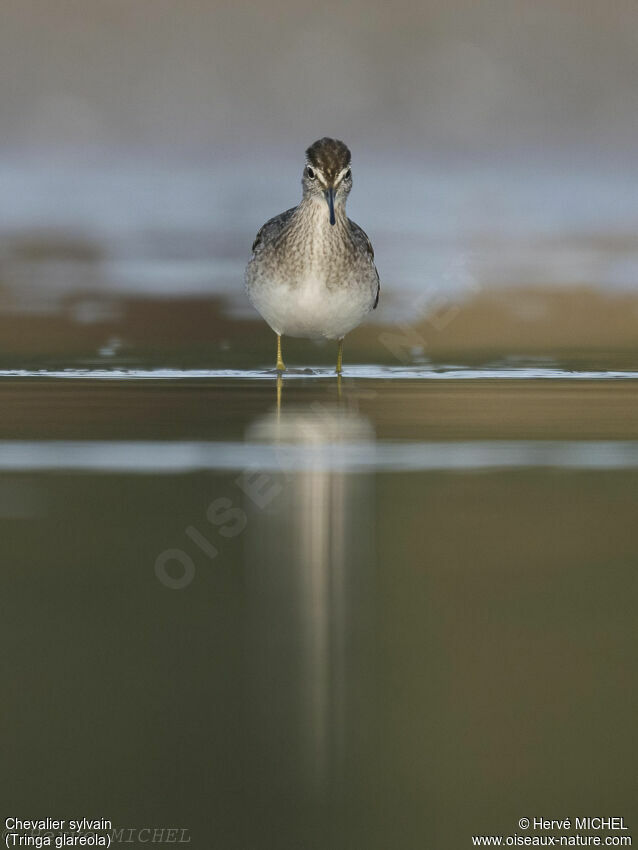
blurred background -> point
(145, 142)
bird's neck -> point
(313, 216)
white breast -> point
(309, 309)
(313, 284)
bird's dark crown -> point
(330, 156)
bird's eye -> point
(310, 173)
(347, 175)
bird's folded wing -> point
(272, 227)
(362, 238)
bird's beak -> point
(330, 198)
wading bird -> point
(312, 271)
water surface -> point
(397, 611)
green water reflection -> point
(363, 658)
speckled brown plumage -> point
(330, 156)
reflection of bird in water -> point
(312, 272)
(310, 555)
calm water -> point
(392, 614)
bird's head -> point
(327, 176)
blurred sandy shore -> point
(576, 326)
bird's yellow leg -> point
(280, 363)
(339, 356)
